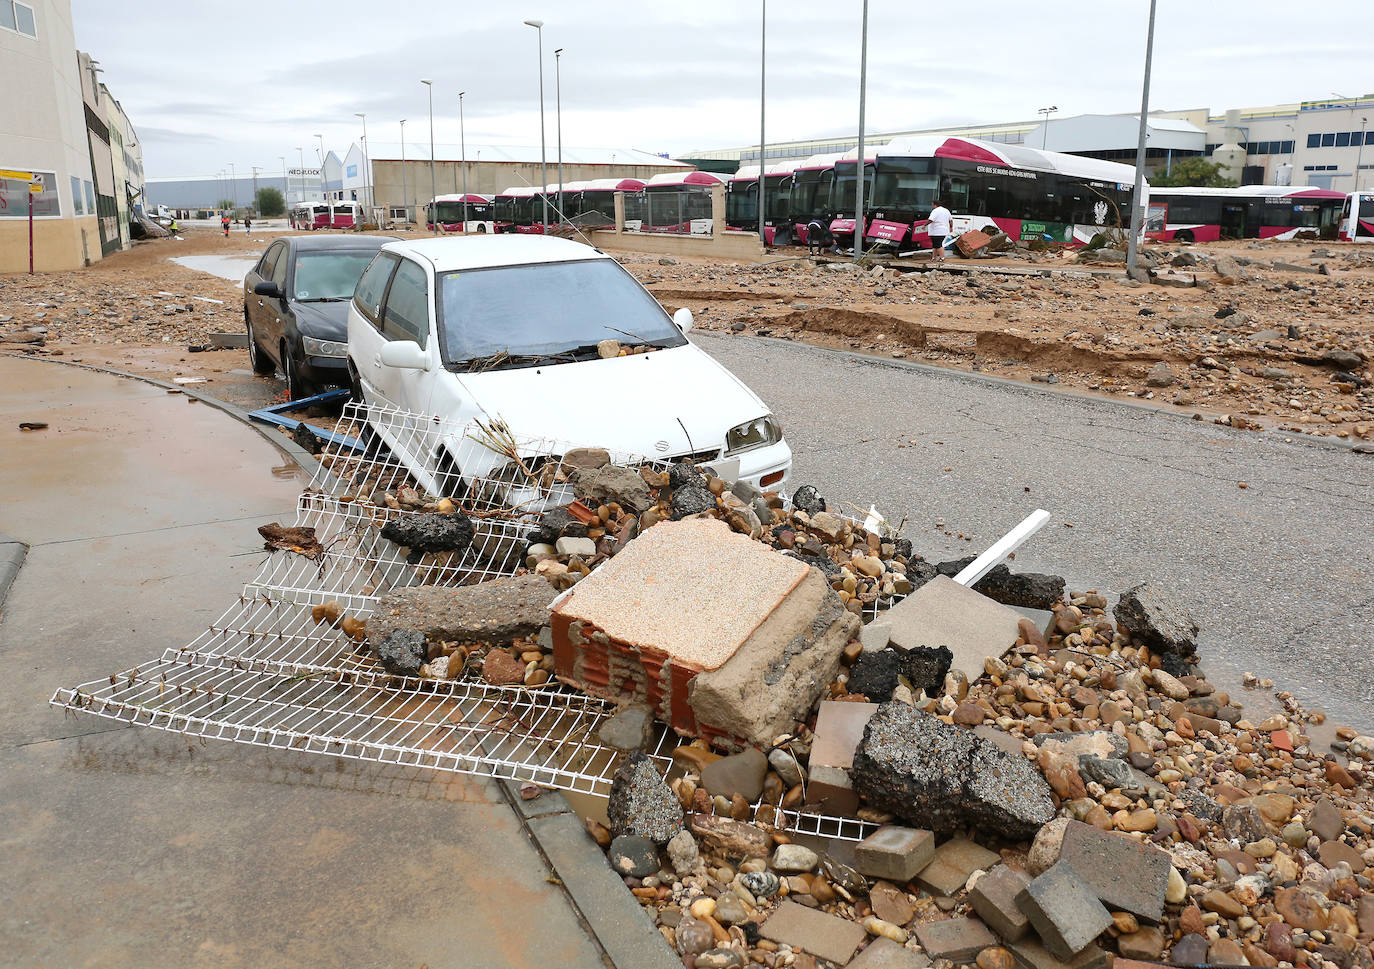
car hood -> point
(324, 321)
(630, 404)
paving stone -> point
(1031, 954)
(994, 899)
(954, 861)
(895, 853)
(874, 637)
(1043, 618)
(822, 935)
(944, 613)
(839, 728)
(1065, 913)
(886, 954)
(959, 940)
(1125, 874)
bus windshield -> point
(742, 204)
(842, 198)
(905, 184)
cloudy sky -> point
(207, 85)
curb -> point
(12, 555)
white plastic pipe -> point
(1004, 546)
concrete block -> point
(954, 861)
(959, 940)
(994, 899)
(839, 728)
(886, 954)
(1065, 913)
(1127, 875)
(830, 788)
(944, 613)
(875, 636)
(1031, 954)
(1043, 618)
(822, 935)
(894, 853)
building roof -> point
(451, 253)
(523, 154)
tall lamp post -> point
(433, 189)
(256, 169)
(367, 172)
(300, 151)
(405, 196)
(538, 26)
(1137, 211)
(324, 186)
(859, 183)
(285, 183)
(558, 114)
(763, 75)
(1359, 155)
(1045, 130)
(233, 185)
(463, 158)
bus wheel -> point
(481, 230)
(1184, 235)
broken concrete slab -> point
(953, 863)
(895, 853)
(765, 638)
(1065, 913)
(1127, 875)
(994, 899)
(959, 940)
(495, 611)
(1155, 619)
(943, 777)
(875, 636)
(641, 802)
(817, 933)
(944, 613)
(1097, 743)
(430, 532)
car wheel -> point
(259, 360)
(298, 385)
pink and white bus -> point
(310, 215)
(345, 215)
(520, 209)
(810, 193)
(1248, 212)
(1025, 192)
(479, 213)
(742, 199)
(1357, 217)
(842, 188)
(680, 202)
(598, 196)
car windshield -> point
(329, 276)
(525, 315)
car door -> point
(365, 323)
(254, 303)
(406, 315)
(275, 309)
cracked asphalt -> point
(1279, 574)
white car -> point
(504, 331)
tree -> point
(1193, 172)
(270, 202)
(225, 205)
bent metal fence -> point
(267, 674)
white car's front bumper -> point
(766, 468)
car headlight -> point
(760, 432)
(324, 348)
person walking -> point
(938, 228)
(247, 224)
(224, 223)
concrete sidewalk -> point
(132, 847)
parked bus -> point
(742, 200)
(310, 215)
(345, 215)
(598, 196)
(810, 193)
(1357, 217)
(842, 202)
(479, 212)
(1025, 192)
(520, 208)
(680, 202)
(1248, 212)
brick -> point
(954, 861)
(1031, 954)
(944, 613)
(959, 940)
(894, 853)
(1127, 875)
(994, 899)
(1065, 913)
(831, 789)
(886, 954)
(824, 936)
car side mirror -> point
(683, 319)
(405, 354)
(267, 288)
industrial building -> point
(60, 123)
(1318, 143)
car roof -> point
(306, 243)
(488, 251)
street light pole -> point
(233, 185)
(324, 186)
(538, 26)
(763, 77)
(285, 183)
(463, 158)
(433, 189)
(367, 172)
(1045, 130)
(405, 196)
(1359, 155)
(256, 169)
(558, 113)
(300, 150)
(1137, 211)
(859, 182)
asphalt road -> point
(1280, 575)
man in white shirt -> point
(938, 229)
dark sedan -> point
(295, 305)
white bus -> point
(1357, 217)
(451, 208)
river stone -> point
(941, 777)
(787, 766)
(496, 611)
(402, 652)
(730, 909)
(683, 853)
(630, 854)
(761, 884)
(430, 532)
(641, 802)
(629, 729)
(1107, 771)
(624, 486)
(1154, 619)
(794, 858)
(740, 774)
